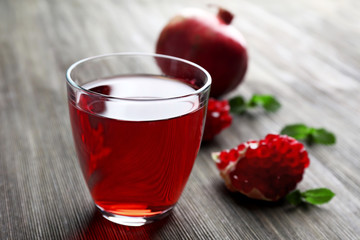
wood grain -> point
(307, 53)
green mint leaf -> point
(323, 136)
(309, 139)
(294, 197)
(318, 196)
(308, 134)
(237, 105)
(297, 131)
(268, 102)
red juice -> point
(136, 156)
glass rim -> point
(77, 63)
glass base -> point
(133, 221)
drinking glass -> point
(137, 122)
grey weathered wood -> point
(307, 53)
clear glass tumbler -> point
(137, 122)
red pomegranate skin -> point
(209, 41)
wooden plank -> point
(307, 53)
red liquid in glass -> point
(140, 165)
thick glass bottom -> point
(134, 221)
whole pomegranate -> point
(209, 41)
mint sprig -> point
(268, 102)
(309, 134)
(239, 105)
(313, 196)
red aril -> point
(217, 118)
(209, 41)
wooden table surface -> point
(306, 53)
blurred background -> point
(306, 53)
